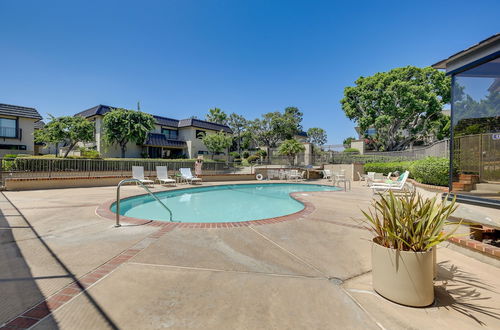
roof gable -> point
(19, 111)
(101, 110)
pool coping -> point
(104, 211)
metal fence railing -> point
(64, 167)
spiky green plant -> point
(410, 222)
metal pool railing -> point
(117, 224)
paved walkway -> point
(65, 267)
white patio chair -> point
(162, 175)
(394, 186)
(294, 175)
(188, 176)
(138, 173)
(327, 174)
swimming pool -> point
(225, 203)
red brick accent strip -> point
(476, 246)
(35, 314)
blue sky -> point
(180, 58)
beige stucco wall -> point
(351, 170)
(188, 134)
(27, 125)
(360, 145)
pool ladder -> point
(145, 188)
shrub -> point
(89, 153)
(261, 153)
(253, 158)
(431, 170)
(235, 155)
(246, 154)
(388, 167)
(351, 150)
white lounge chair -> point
(294, 175)
(327, 174)
(188, 176)
(394, 186)
(138, 173)
(162, 176)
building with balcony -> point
(171, 138)
(17, 125)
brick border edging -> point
(476, 246)
(429, 186)
(37, 313)
(104, 211)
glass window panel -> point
(476, 130)
(7, 127)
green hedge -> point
(387, 167)
(430, 170)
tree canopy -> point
(71, 129)
(347, 141)
(238, 125)
(122, 126)
(216, 115)
(217, 142)
(403, 104)
(291, 148)
(274, 127)
(317, 136)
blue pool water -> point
(227, 203)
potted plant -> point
(407, 229)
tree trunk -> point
(123, 148)
(71, 146)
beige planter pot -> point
(402, 276)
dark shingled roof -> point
(204, 124)
(18, 111)
(39, 124)
(160, 140)
(166, 121)
(102, 109)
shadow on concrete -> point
(16, 280)
(465, 293)
(18, 287)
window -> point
(201, 152)
(8, 127)
(476, 130)
(13, 146)
(200, 134)
(170, 133)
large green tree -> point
(274, 127)
(403, 104)
(238, 125)
(216, 115)
(317, 136)
(122, 126)
(290, 148)
(70, 129)
(217, 142)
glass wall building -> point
(475, 116)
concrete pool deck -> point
(310, 272)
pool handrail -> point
(117, 224)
